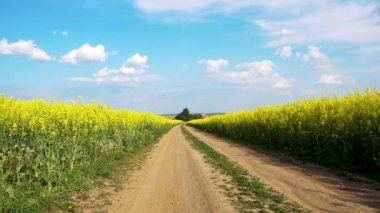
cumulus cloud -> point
(317, 58)
(85, 55)
(314, 54)
(22, 47)
(133, 65)
(284, 52)
(131, 72)
(214, 66)
(137, 60)
(247, 73)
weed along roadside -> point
(245, 192)
(109, 182)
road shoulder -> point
(310, 186)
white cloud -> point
(281, 83)
(248, 73)
(137, 60)
(335, 79)
(318, 59)
(321, 62)
(131, 72)
(22, 47)
(264, 67)
(284, 52)
(134, 65)
(193, 6)
(85, 55)
(338, 21)
(331, 79)
(314, 54)
(172, 5)
(309, 21)
(127, 80)
(64, 33)
(214, 65)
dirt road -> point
(310, 186)
(173, 179)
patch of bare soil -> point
(313, 187)
(173, 179)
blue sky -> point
(208, 55)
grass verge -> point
(289, 157)
(247, 193)
(109, 181)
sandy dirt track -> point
(173, 179)
(310, 186)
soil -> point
(313, 187)
(173, 179)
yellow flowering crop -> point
(43, 144)
(342, 132)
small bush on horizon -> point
(186, 116)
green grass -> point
(111, 178)
(249, 194)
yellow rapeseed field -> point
(46, 145)
(342, 132)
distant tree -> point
(196, 116)
(185, 112)
(186, 116)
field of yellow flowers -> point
(342, 132)
(45, 146)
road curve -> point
(173, 179)
(311, 186)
